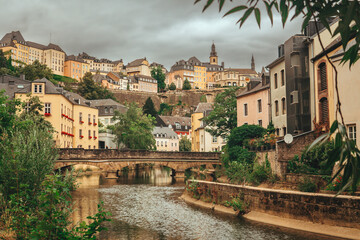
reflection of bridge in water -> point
(112, 161)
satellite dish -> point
(288, 138)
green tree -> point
(184, 144)
(134, 129)
(149, 107)
(186, 85)
(36, 70)
(172, 86)
(159, 75)
(165, 109)
(224, 116)
(240, 134)
(91, 90)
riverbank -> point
(277, 207)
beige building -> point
(278, 95)
(26, 52)
(166, 139)
(201, 140)
(74, 122)
(138, 67)
(180, 125)
(234, 77)
(253, 104)
(101, 66)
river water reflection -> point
(145, 204)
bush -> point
(47, 215)
(307, 186)
(313, 162)
(261, 173)
(238, 172)
(172, 86)
(240, 134)
(237, 203)
(240, 154)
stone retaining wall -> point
(314, 207)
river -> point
(145, 204)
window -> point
(157, 143)
(275, 81)
(89, 118)
(80, 132)
(260, 123)
(214, 139)
(283, 106)
(106, 110)
(352, 132)
(323, 77)
(94, 133)
(324, 110)
(94, 119)
(161, 143)
(245, 109)
(284, 131)
(111, 110)
(278, 132)
(259, 106)
(27, 107)
(282, 78)
(80, 116)
(89, 133)
(276, 108)
(37, 88)
(47, 107)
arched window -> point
(283, 106)
(323, 76)
(324, 110)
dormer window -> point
(178, 126)
(38, 88)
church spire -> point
(252, 63)
(213, 55)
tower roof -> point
(213, 52)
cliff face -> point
(183, 102)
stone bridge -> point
(111, 161)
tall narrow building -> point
(252, 63)
(213, 56)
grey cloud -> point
(164, 31)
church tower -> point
(213, 55)
(252, 63)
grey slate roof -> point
(203, 107)
(164, 132)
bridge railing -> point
(100, 154)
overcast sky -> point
(164, 31)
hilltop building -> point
(25, 52)
(181, 125)
(198, 73)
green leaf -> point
(318, 140)
(236, 9)
(284, 11)
(258, 16)
(269, 12)
(221, 4)
(209, 2)
(246, 15)
(334, 126)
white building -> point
(166, 139)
